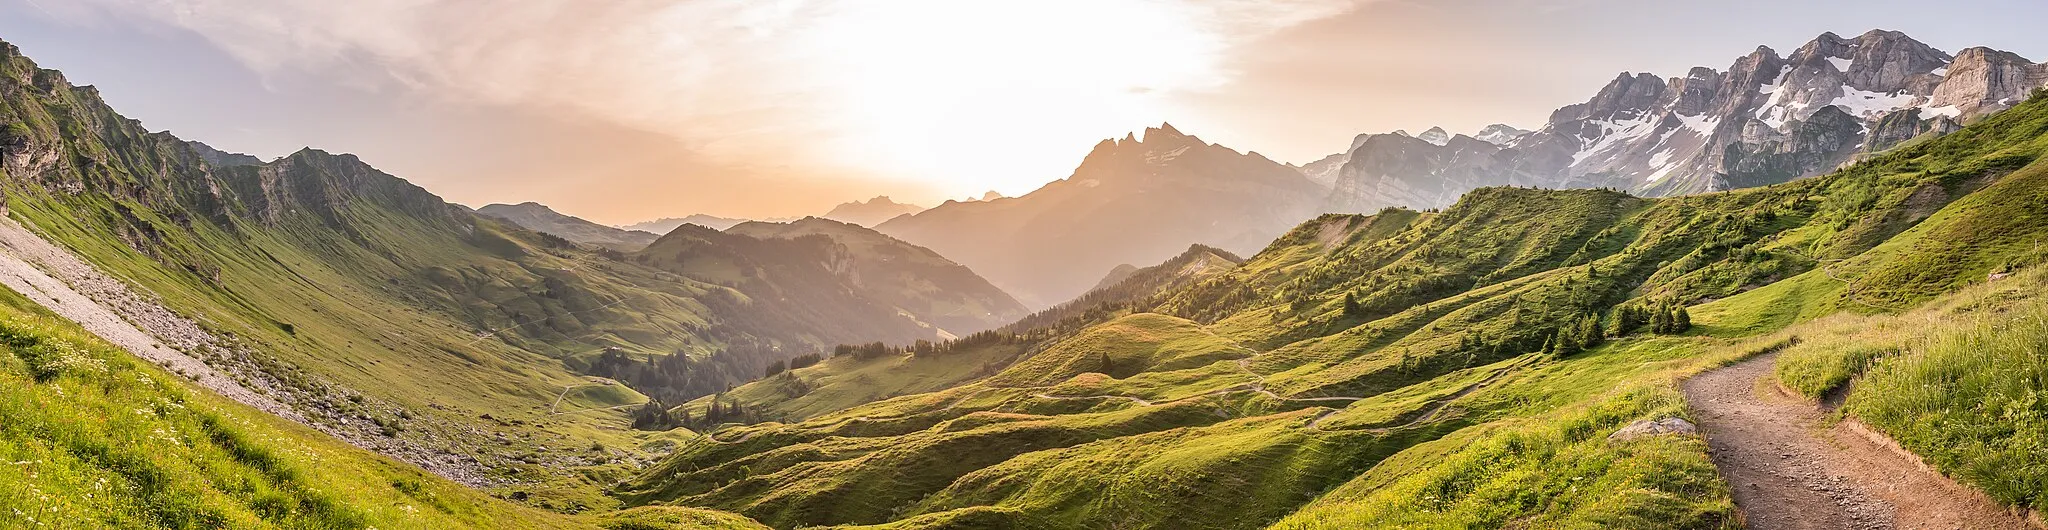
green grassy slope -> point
(95, 438)
(844, 382)
(1401, 368)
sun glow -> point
(967, 96)
(1002, 96)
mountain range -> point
(1765, 119)
(1131, 200)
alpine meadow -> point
(739, 266)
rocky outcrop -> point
(1647, 428)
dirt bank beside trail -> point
(1791, 469)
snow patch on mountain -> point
(1866, 104)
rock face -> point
(1765, 119)
(222, 158)
(1133, 200)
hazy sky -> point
(626, 110)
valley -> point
(1840, 303)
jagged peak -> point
(1164, 131)
(1435, 135)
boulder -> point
(1648, 428)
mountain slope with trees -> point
(1423, 368)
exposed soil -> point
(1793, 469)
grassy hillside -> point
(94, 438)
(1459, 368)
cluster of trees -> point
(678, 378)
(722, 411)
(656, 416)
(1664, 317)
(876, 350)
(793, 363)
(1576, 335)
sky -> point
(628, 110)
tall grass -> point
(1837, 349)
(1973, 403)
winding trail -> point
(1791, 468)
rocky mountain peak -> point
(1765, 119)
(1164, 132)
(1496, 134)
(1435, 135)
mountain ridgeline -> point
(1766, 119)
(1133, 200)
(540, 218)
(871, 212)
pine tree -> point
(1681, 321)
(1351, 307)
(1590, 333)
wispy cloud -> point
(915, 86)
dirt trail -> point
(1791, 470)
